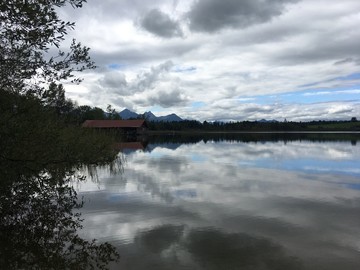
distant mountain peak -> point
(149, 113)
(126, 110)
(267, 121)
(150, 116)
(127, 114)
(170, 118)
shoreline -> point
(170, 132)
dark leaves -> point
(28, 32)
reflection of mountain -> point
(171, 146)
(129, 147)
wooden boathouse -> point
(123, 126)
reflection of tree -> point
(39, 148)
(38, 228)
(213, 249)
(193, 138)
(38, 154)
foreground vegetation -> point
(42, 145)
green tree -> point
(39, 151)
(112, 114)
(86, 112)
(54, 98)
(30, 30)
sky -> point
(221, 60)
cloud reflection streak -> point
(310, 217)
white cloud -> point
(279, 48)
(355, 91)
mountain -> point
(267, 121)
(150, 116)
(170, 118)
(127, 114)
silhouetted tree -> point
(39, 151)
(28, 30)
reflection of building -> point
(124, 126)
(128, 147)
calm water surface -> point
(230, 204)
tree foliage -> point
(39, 157)
(31, 55)
(40, 152)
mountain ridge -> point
(128, 114)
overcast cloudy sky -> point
(222, 59)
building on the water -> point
(124, 126)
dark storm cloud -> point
(340, 48)
(166, 99)
(160, 24)
(169, 99)
(113, 80)
(132, 55)
(348, 60)
(114, 9)
(147, 80)
(258, 109)
(213, 15)
(115, 83)
(268, 33)
(344, 61)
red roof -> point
(114, 123)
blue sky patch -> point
(184, 69)
(198, 104)
(308, 96)
(354, 76)
(156, 109)
(116, 66)
(348, 167)
(198, 158)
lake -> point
(265, 201)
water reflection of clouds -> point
(279, 150)
(303, 211)
(199, 249)
(335, 156)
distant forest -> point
(78, 114)
(254, 126)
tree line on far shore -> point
(255, 126)
(75, 114)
